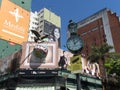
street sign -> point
(75, 63)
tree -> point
(112, 66)
(99, 54)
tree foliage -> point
(99, 54)
(112, 64)
(109, 62)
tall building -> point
(46, 22)
(101, 27)
(33, 25)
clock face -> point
(74, 43)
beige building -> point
(48, 21)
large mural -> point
(88, 68)
(39, 55)
(47, 55)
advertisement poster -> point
(14, 22)
(39, 55)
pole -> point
(78, 81)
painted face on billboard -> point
(56, 33)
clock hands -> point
(75, 41)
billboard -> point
(14, 22)
(39, 55)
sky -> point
(75, 10)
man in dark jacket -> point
(63, 61)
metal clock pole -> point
(78, 81)
(74, 45)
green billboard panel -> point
(7, 48)
(26, 4)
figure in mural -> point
(92, 69)
(51, 37)
(89, 68)
(63, 61)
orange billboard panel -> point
(14, 22)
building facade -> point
(33, 25)
(48, 21)
(101, 27)
(45, 22)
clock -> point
(74, 44)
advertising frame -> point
(50, 61)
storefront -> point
(39, 80)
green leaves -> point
(99, 53)
(113, 66)
(108, 60)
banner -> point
(14, 22)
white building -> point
(33, 25)
(44, 22)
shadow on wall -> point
(10, 63)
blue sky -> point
(76, 10)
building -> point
(31, 73)
(101, 27)
(33, 25)
(48, 21)
(47, 80)
(44, 22)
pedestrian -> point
(63, 61)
